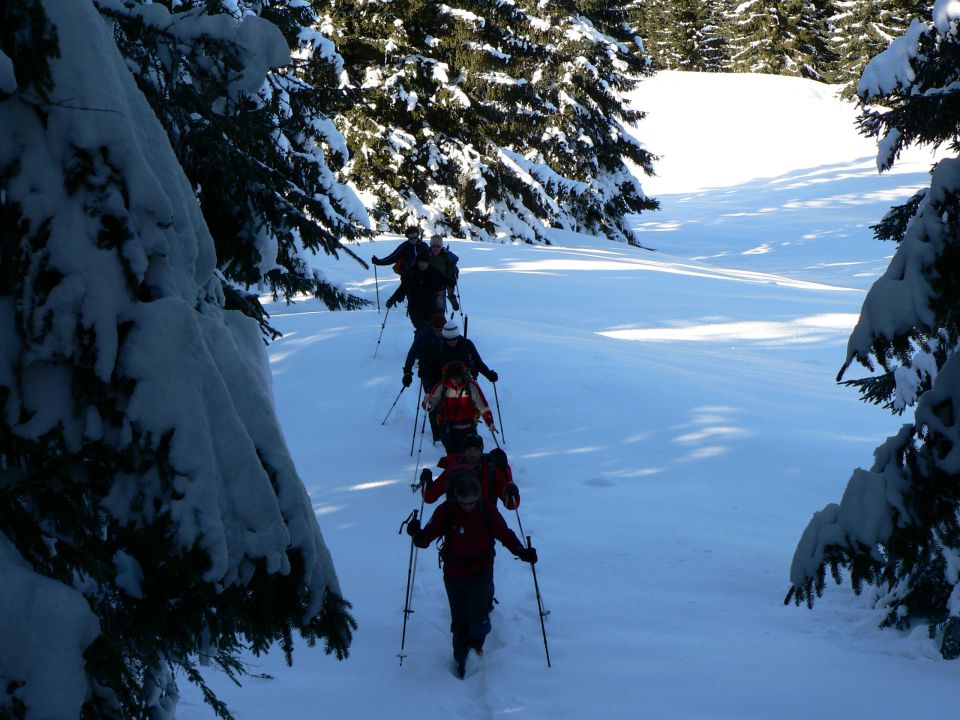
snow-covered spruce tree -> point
(150, 514)
(897, 525)
(261, 158)
(585, 138)
(863, 29)
(784, 38)
(682, 34)
(489, 119)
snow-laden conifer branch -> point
(150, 512)
(897, 525)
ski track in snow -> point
(673, 422)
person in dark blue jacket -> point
(405, 254)
(426, 344)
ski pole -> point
(382, 326)
(456, 290)
(406, 601)
(415, 485)
(466, 321)
(423, 426)
(536, 587)
(416, 556)
(416, 417)
(493, 434)
(394, 405)
(376, 282)
(499, 417)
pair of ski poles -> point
(414, 550)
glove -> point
(526, 554)
(407, 378)
(492, 376)
(453, 302)
(375, 260)
(511, 496)
(391, 302)
(426, 477)
(413, 529)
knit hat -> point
(464, 485)
(473, 440)
(437, 321)
(423, 255)
(454, 367)
(451, 330)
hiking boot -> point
(461, 669)
(477, 647)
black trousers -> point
(453, 438)
(436, 429)
(470, 603)
(419, 316)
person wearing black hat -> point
(470, 526)
(423, 350)
(420, 285)
(493, 470)
(404, 255)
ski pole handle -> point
(411, 517)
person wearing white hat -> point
(457, 347)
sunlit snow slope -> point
(673, 422)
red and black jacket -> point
(468, 546)
(493, 480)
(459, 405)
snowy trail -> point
(672, 421)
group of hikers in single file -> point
(467, 523)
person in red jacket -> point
(459, 402)
(496, 479)
(470, 526)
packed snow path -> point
(672, 422)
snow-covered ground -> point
(672, 421)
